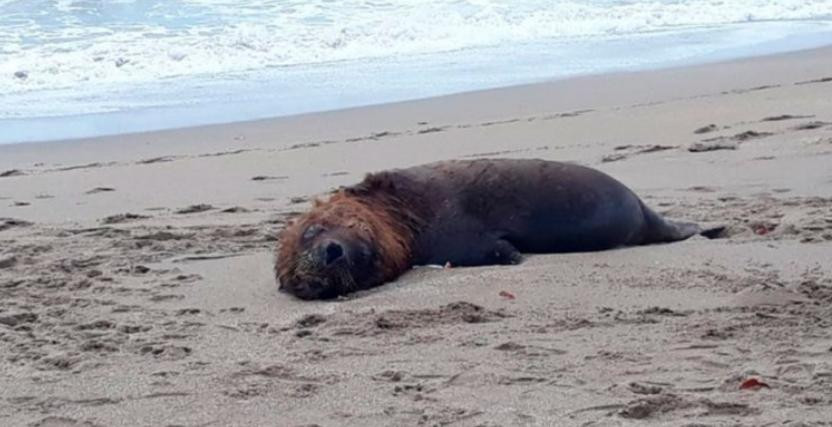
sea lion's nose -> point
(333, 251)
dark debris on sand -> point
(9, 223)
(97, 190)
(121, 218)
(195, 209)
(701, 147)
(11, 173)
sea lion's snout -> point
(330, 261)
(331, 252)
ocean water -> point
(74, 68)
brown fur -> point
(368, 212)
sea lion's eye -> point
(312, 231)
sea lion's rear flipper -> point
(660, 230)
(717, 232)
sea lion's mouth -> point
(312, 289)
(323, 281)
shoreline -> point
(556, 97)
(83, 123)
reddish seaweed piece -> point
(753, 384)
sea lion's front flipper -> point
(504, 253)
(474, 249)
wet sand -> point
(136, 284)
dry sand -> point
(136, 284)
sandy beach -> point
(136, 283)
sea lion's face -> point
(332, 260)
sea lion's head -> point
(355, 240)
(330, 260)
(340, 246)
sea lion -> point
(462, 212)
